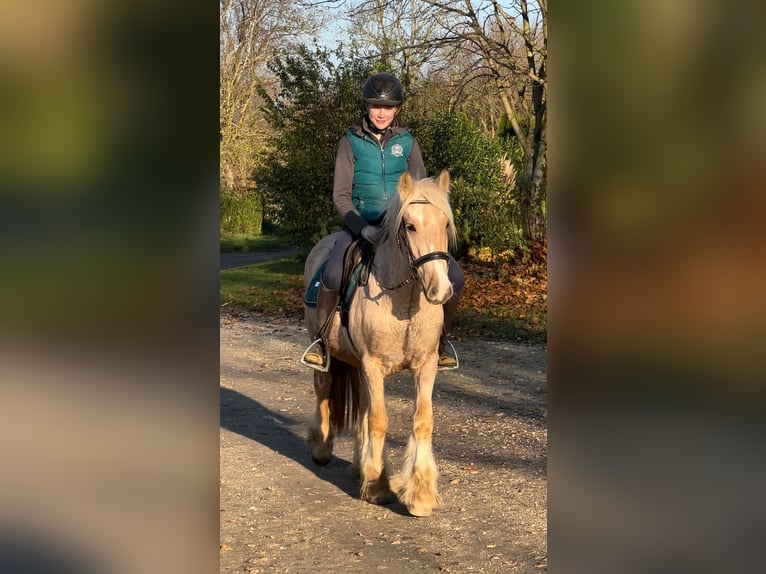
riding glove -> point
(372, 233)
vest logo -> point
(397, 150)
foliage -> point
(486, 209)
(317, 99)
(505, 301)
(240, 212)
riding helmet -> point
(383, 89)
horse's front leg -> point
(416, 484)
(320, 437)
(373, 464)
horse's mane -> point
(423, 189)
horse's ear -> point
(405, 185)
(443, 181)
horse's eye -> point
(410, 227)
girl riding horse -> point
(371, 157)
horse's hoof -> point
(319, 446)
(420, 511)
(379, 498)
(383, 499)
(377, 492)
(322, 461)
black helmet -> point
(383, 89)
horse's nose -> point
(437, 295)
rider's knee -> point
(456, 277)
(331, 276)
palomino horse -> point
(394, 323)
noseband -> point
(401, 238)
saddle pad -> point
(312, 291)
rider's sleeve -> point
(341, 190)
(415, 163)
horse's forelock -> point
(424, 189)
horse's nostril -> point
(438, 296)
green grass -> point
(235, 243)
(273, 287)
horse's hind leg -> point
(416, 483)
(361, 435)
(320, 437)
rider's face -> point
(381, 116)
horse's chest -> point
(398, 337)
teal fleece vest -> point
(377, 171)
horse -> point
(394, 323)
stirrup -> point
(453, 354)
(319, 342)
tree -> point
(510, 49)
(316, 98)
(492, 55)
(401, 34)
(251, 31)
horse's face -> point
(426, 229)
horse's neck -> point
(392, 265)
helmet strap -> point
(373, 128)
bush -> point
(241, 212)
(486, 210)
(318, 99)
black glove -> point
(372, 233)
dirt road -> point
(281, 513)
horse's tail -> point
(344, 395)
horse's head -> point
(424, 223)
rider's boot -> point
(317, 354)
(447, 356)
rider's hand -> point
(372, 233)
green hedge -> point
(241, 212)
(486, 212)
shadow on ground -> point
(249, 418)
(252, 420)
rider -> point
(371, 157)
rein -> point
(401, 238)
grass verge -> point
(274, 287)
(242, 243)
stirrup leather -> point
(320, 344)
(452, 354)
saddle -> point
(356, 271)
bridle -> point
(401, 238)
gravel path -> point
(281, 513)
